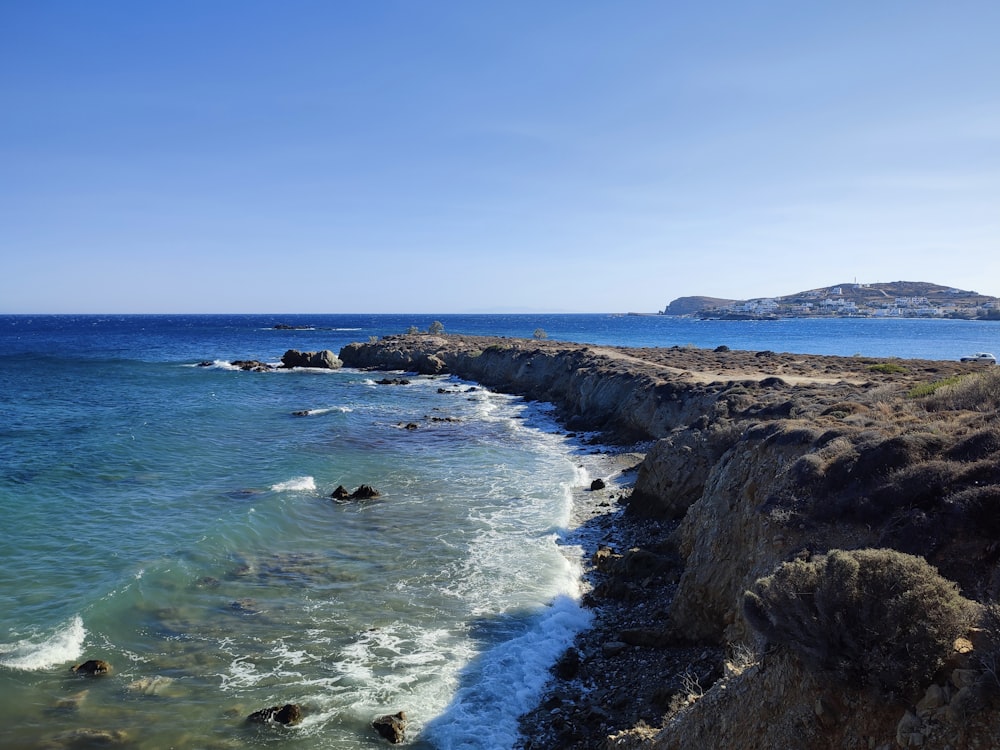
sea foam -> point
(296, 484)
(30, 655)
(506, 681)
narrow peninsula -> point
(801, 552)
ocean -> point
(175, 519)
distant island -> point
(895, 299)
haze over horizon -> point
(451, 157)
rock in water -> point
(92, 668)
(289, 714)
(251, 365)
(364, 492)
(325, 359)
(391, 726)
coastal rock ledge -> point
(756, 462)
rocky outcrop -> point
(325, 360)
(777, 703)
(728, 537)
(693, 305)
(251, 365)
(676, 468)
(391, 727)
(594, 388)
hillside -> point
(901, 299)
(693, 305)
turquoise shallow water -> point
(175, 520)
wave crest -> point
(28, 655)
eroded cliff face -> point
(630, 398)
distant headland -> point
(895, 299)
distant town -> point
(897, 299)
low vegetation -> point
(870, 617)
(926, 389)
(978, 391)
(887, 368)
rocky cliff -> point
(751, 460)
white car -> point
(983, 358)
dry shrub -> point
(870, 477)
(871, 618)
(975, 392)
(808, 469)
(880, 459)
(924, 486)
(979, 507)
(988, 653)
(977, 446)
(844, 408)
(883, 395)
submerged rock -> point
(77, 738)
(71, 703)
(155, 685)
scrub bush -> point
(871, 617)
(976, 392)
(887, 368)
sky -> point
(463, 157)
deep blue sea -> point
(176, 521)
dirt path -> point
(720, 376)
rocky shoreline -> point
(725, 464)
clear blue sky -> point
(423, 156)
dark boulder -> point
(324, 360)
(92, 668)
(597, 484)
(251, 365)
(392, 381)
(289, 714)
(568, 665)
(391, 727)
(364, 492)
